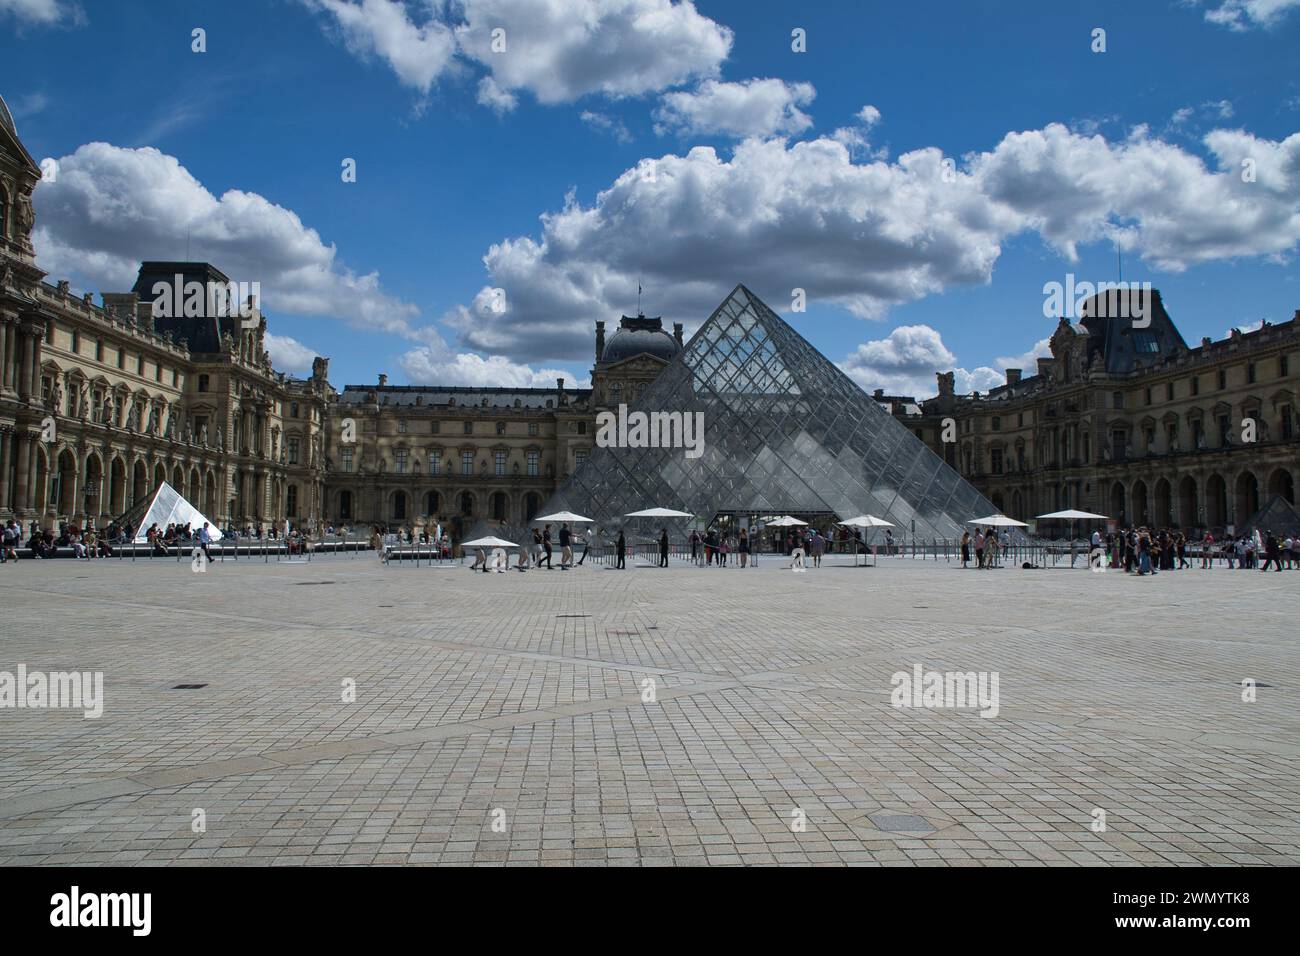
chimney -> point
(600, 338)
(1013, 376)
(559, 385)
(1044, 366)
(677, 331)
(383, 380)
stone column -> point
(6, 439)
(34, 389)
(23, 472)
(4, 354)
(10, 354)
(33, 488)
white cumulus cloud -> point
(1244, 14)
(110, 207)
(781, 215)
(758, 107)
(556, 50)
(288, 354)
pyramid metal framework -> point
(785, 431)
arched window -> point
(399, 506)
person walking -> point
(695, 547)
(1271, 555)
(621, 549)
(546, 546)
(663, 547)
(818, 548)
(205, 539)
(965, 549)
(979, 549)
(537, 547)
(566, 547)
(9, 539)
(744, 548)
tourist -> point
(979, 549)
(522, 564)
(566, 547)
(480, 560)
(1181, 545)
(546, 546)
(499, 560)
(991, 548)
(663, 547)
(818, 548)
(205, 539)
(621, 549)
(1271, 552)
(744, 547)
(695, 547)
(9, 539)
(965, 549)
(1289, 554)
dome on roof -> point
(7, 118)
(638, 336)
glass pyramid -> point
(785, 432)
(165, 506)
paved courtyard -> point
(504, 719)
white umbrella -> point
(1071, 515)
(866, 521)
(998, 521)
(489, 542)
(658, 513)
(785, 522)
(561, 516)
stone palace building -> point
(1131, 423)
(99, 404)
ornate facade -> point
(99, 404)
(424, 455)
(1130, 422)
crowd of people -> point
(1143, 551)
(988, 546)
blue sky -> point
(824, 171)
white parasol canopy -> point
(489, 542)
(785, 521)
(659, 513)
(561, 516)
(867, 521)
(998, 521)
(1074, 514)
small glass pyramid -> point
(785, 432)
(165, 506)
